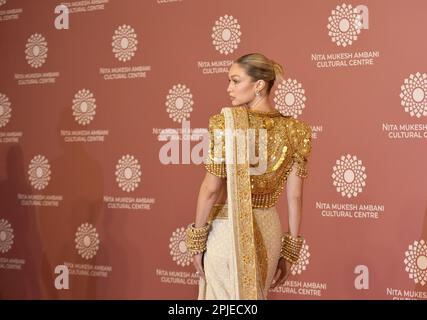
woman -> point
(239, 250)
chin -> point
(235, 103)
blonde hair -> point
(259, 67)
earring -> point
(257, 93)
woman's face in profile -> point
(241, 86)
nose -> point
(229, 87)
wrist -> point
(291, 247)
(196, 238)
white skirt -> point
(219, 256)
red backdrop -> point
(101, 127)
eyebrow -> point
(234, 75)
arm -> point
(208, 194)
(294, 186)
(300, 135)
(210, 189)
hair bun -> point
(278, 70)
(259, 67)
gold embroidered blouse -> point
(289, 142)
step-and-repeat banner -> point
(104, 106)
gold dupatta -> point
(239, 201)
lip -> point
(232, 98)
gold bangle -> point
(196, 238)
(291, 247)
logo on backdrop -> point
(84, 107)
(178, 148)
(178, 248)
(290, 98)
(179, 103)
(413, 94)
(36, 54)
(87, 241)
(416, 266)
(124, 43)
(344, 24)
(349, 176)
(5, 115)
(303, 261)
(413, 99)
(225, 39)
(36, 50)
(5, 110)
(179, 254)
(128, 173)
(124, 46)
(128, 176)
(2, 2)
(416, 262)
(226, 34)
(39, 172)
(84, 111)
(6, 243)
(6, 236)
(349, 179)
(39, 176)
(87, 246)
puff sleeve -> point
(300, 134)
(215, 161)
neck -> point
(260, 104)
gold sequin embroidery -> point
(289, 143)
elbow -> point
(211, 190)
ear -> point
(260, 84)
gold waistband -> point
(219, 211)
